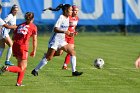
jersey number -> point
(23, 29)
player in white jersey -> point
(10, 20)
(57, 43)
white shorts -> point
(4, 33)
(57, 44)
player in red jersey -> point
(73, 20)
(20, 46)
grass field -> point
(118, 75)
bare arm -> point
(61, 31)
(10, 27)
(34, 43)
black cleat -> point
(3, 69)
(76, 73)
(35, 73)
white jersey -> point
(57, 40)
(10, 20)
(1, 24)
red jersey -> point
(23, 33)
(73, 23)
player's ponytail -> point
(28, 17)
(60, 6)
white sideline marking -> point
(93, 68)
(111, 68)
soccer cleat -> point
(19, 85)
(9, 63)
(65, 68)
(3, 69)
(76, 73)
(35, 73)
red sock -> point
(20, 77)
(67, 59)
(14, 69)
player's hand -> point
(71, 34)
(32, 54)
(14, 26)
(75, 33)
(67, 32)
(137, 63)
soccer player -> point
(73, 20)
(20, 46)
(10, 20)
(3, 24)
(57, 43)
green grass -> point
(118, 75)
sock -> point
(42, 63)
(1, 51)
(9, 53)
(67, 59)
(65, 65)
(73, 63)
(20, 77)
(14, 69)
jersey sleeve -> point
(2, 22)
(9, 17)
(59, 22)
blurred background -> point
(109, 16)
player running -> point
(20, 47)
(10, 20)
(73, 20)
(3, 24)
(57, 43)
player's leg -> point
(23, 65)
(71, 51)
(67, 59)
(2, 46)
(47, 57)
(9, 42)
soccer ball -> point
(99, 63)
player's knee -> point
(49, 58)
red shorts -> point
(70, 40)
(20, 51)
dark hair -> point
(28, 17)
(0, 6)
(13, 7)
(61, 6)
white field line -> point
(94, 68)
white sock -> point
(9, 53)
(1, 51)
(42, 63)
(65, 64)
(73, 63)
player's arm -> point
(57, 30)
(34, 44)
(10, 27)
